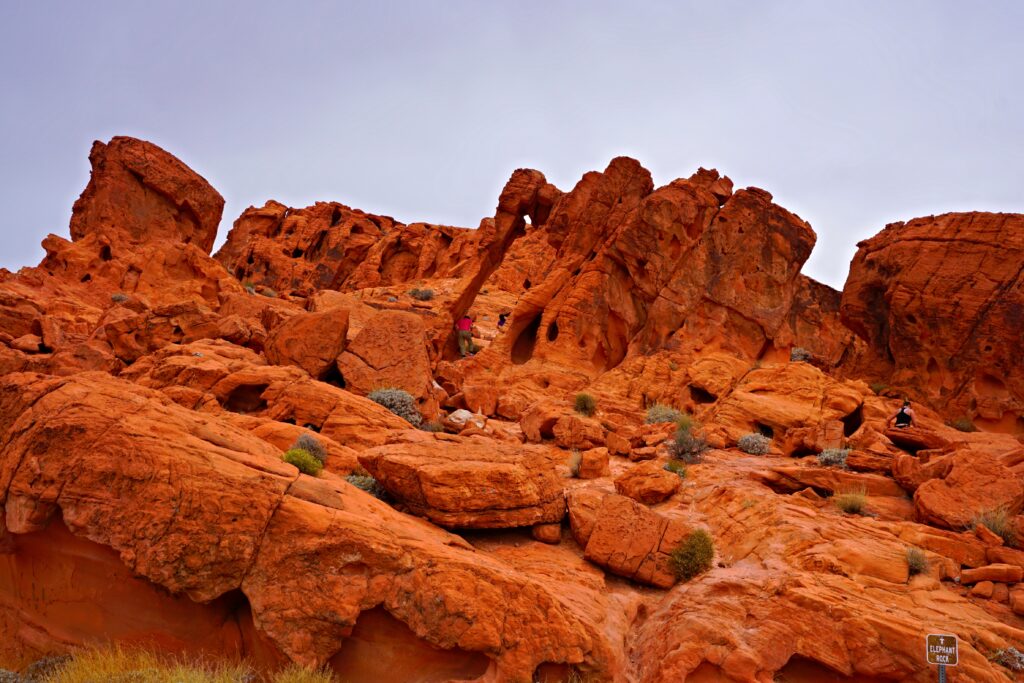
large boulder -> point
(938, 300)
(471, 483)
(976, 484)
(311, 341)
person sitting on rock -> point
(904, 417)
(464, 325)
(501, 321)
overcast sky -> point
(853, 114)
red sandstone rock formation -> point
(146, 398)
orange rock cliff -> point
(532, 511)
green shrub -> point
(687, 447)
(799, 354)
(676, 467)
(119, 297)
(833, 457)
(917, 561)
(852, 502)
(575, 460)
(367, 483)
(754, 444)
(963, 424)
(312, 445)
(878, 387)
(585, 404)
(304, 460)
(662, 413)
(421, 294)
(693, 556)
(399, 402)
(998, 522)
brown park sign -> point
(942, 649)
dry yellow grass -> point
(123, 665)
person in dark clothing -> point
(904, 417)
(501, 320)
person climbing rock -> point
(904, 417)
(502, 317)
(464, 325)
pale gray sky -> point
(853, 114)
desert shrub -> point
(312, 445)
(673, 366)
(963, 424)
(367, 483)
(575, 460)
(693, 556)
(686, 446)
(798, 353)
(585, 404)
(119, 297)
(754, 444)
(833, 457)
(917, 562)
(676, 467)
(1011, 658)
(268, 292)
(421, 294)
(878, 387)
(998, 522)
(399, 402)
(434, 426)
(304, 460)
(852, 502)
(300, 674)
(122, 664)
(662, 413)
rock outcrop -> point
(149, 392)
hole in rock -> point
(382, 648)
(551, 672)
(764, 430)
(105, 253)
(802, 452)
(576, 272)
(312, 427)
(527, 284)
(526, 340)
(297, 252)
(333, 376)
(553, 330)
(853, 421)
(335, 216)
(701, 395)
(911, 319)
(86, 277)
(246, 398)
(803, 670)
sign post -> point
(941, 649)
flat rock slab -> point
(471, 483)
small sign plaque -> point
(942, 649)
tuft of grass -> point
(304, 460)
(421, 294)
(585, 404)
(366, 482)
(963, 424)
(119, 297)
(754, 444)
(662, 413)
(798, 353)
(434, 426)
(399, 402)
(300, 674)
(269, 293)
(998, 522)
(852, 502)
(686, 446)
(749, 503)
(917, 561)
(693, 556)
(676, 467)
(121, 664)
(834, 457)
(878, 387)
(575, 460)
(312, 445)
